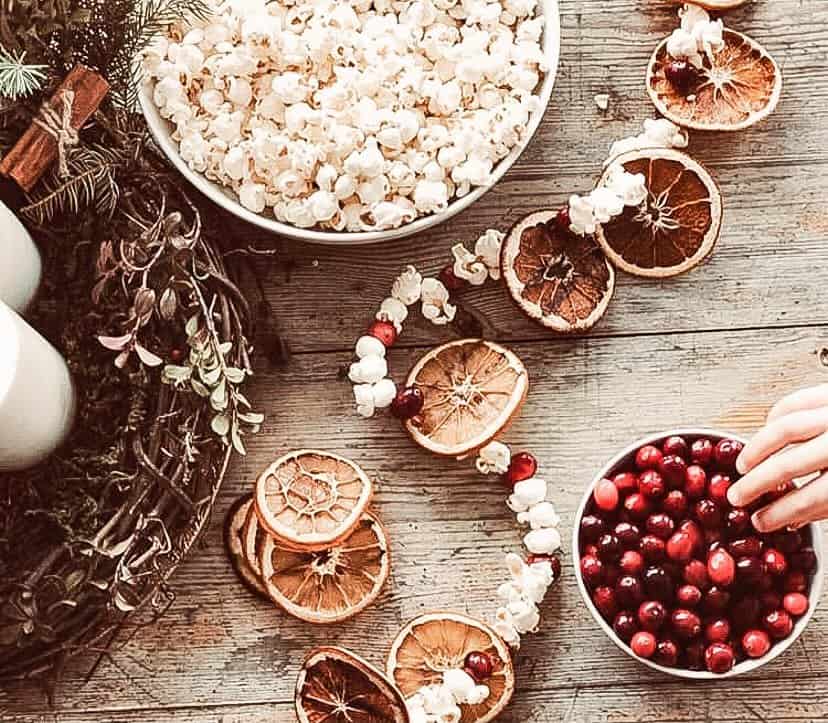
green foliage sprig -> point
(19, 79)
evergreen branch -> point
(19, 79)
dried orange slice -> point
(678, 224)
(332, 585)
(234, 527)
(434, 643)
(310, 500)
(337, 686)
(471, 390)
(740, 87)
(557, 278)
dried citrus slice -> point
(559, 279)
(234, 525)
(336, 686)
(311, 499)
(332, 585)
(471, 390)
(434, 643)
(740, 87)
(678, 224)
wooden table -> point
(714, 347)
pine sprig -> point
(19, 79)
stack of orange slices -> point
(306, 539)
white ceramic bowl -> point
(161, 130)
(625, 457)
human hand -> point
(792, 444)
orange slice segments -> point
(337, 686)
(434, 643)
(678, 224)
(471, 390)
(234, 534)
(557, 278)
(311, 499)
(332, 585)
(741, 87)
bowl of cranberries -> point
(679, 578)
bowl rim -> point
(745, 666)
(219, 195)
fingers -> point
(790, 464)
(810, 398)
(780, 432)
(796, 508)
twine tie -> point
(60, 128)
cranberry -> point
(479, 665)
(737, 521)
(746, 547)
(716, 598)
(648, 457)
(796, 581)
(651, 484)
(721, 568)
(606, 495)
(667, 652)
(770, 601)
(626, 482)
(778, 623)
(701, 452)
(717, 488)
(176, 355)
(788, 541)
(451, 280)
(625, 625)
(592, 570)
(643, 644)
(709, 514)
(692, 529)
(713, 539)
(675, 504)
(689, 596)
(694, 655)
(522, 467)
(749, 570)
(407, 403)
(674, 470)
(805, 560)
(717, 630)
(612, 573)
(695, 482)
(632, 563)
(765, 582)
(609, 547)
(553, 560)
(745, 612)
(604, 599)
(653, 548)
(592, 527)
(756, 643)
(637, 506)
(676, 446)
(628, 533)
(775, 562)
(695, 573)
(680, 547)
(795, 603)
(651, 615)
(385, 331)
(719, 658)
(658, 584)
(628, 591)
(686, 624)
(726, 453)
(661, 525)
(563, 220)
(682, 74)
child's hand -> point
(792, 444)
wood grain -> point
(716, 347)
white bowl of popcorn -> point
(351, 122)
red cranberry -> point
(625, 625)
(612, 573)
(522, 467)
(628, 591)
(651, 615)
(770, 601)
(652, 547)
(701, 452)
(778, 623)
(592, 527)
(651, 484)
(717, 631)
(680, 547)
(592, 570)
(606, 495)
(746, 547)
(632, 563)
(719, 658)
(675, 504)
(590, 550)
(692, 529)
(407, 403)
(788, 541)
(661, 525)
(745, 612)
(681, 74)
(689, 596)
(674, 470)
(709, 514)
(726, 453)
(749, 570)
(385, 331)
(805, 560)
(176, 355)
(721, 568)
(756, 643)
(553, 560)
(695, 573)
(658, 584)
(795, 603)
(667, 652)
(796, 581)
(717, 488)
(694, 655)
(563, 220)
(716, 598)
(626, 482)
(775, 562)
(604, 599)
(686, 624)
(737, 521)
(648, 457)
(451, 280)
(695, 482)
(637, 506)
(713, 539)
(628, 533)
(609, 547)
(643, 644)
(479, 665)
(676, 446)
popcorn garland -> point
(698, 36)
(440, 703)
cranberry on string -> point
(522, 466)
(384, 331)
(479, 665)
(563, 219)
(553, 560)
(681, 74)
(451, 280)
(407, 403)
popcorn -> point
(383, 393)
(369, 346)
(540, 515)
(440, 703)
(368, 370)
(488, 248)
(543, 541)
(659, 133)
(393, 310)
(494, 458)
(527, 493)
(364, 396)
(436, 308)
(468, 266)
(698, 34)
(407, 286)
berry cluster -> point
(683, 577)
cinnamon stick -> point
(37, 148)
